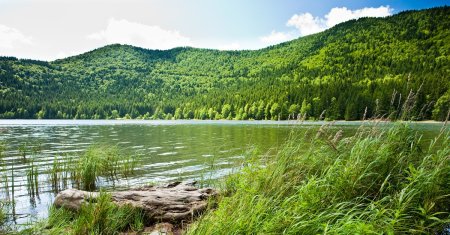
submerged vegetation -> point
(379, 181)
(335, 74)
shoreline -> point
(101, 122)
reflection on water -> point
(166, 151)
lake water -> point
(165, 151)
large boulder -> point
(174, 203)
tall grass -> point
(99, 162)
(5, 186)
(32, 179)
(60, 172)
(105, 161)
(5, 208)
(376, 181)
(99, 216)
(3, 215)
(23, 151)
(4, 174)
(128, 165)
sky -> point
(53, 29)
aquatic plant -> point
(23, 151)
(36, 148)
(54, 174)
(4, 188)
(380, 180)
(103, 161)
(2, 149)
(4, 175)
(32, 179)
(98, 161)
(87, 169)
(3, 213)
(12, 185)
(60, 172)
(128, 164)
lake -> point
(165, 151)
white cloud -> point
(307, 24)
(338, 15)
(276, 37)
(137, 34)
(11, 38)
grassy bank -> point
(379, 181)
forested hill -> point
(397, 66)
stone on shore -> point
(172, 203)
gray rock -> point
(174, 203)
(72, 199)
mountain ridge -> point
(341, 71)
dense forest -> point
(396, 67)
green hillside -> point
(383, 64)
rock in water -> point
(174, 203)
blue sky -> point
(50, 29)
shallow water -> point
(166, 150)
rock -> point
(158, 229)
(173, 203)
(72, 199)
(161, 228)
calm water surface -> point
(165, 150)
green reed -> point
(23, 151)
(12, 200)
(97, 216)
(4, 174)
(98, 161)
(128, 164)
(102, 161)
(4, 178)
(378, 181)
(60, 172)
(32, 179)
(3, 215)
(54, 174)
